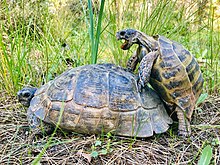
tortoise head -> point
(25, 95)
(132, 36)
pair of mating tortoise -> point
(96, 98)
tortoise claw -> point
(139, 85)
(129, 70)
(184, 133)
(39, 133)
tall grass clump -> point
(18, 34)
(189, 23)
(212, 58)
(153, 18)
(31, 43)
(94, 38)
(39, 38)
(25, 44)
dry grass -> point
(70, 148)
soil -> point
(18, 146)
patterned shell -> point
(176, 75)
(96, 98)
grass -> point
(94, 39)
(46, 146)
(31, 41)
(41, 39)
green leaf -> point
(202, 98)
(206, 156)
(104, 151)
(199, 110)
(109, 135)
(37, 163)
(98, 143)
(94, 154)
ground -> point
(71, 148)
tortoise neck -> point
(147, 41)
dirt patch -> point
(72, 148)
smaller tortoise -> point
(94, 99)
(171, 70)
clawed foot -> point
(40, 133)
(139, 86)
(34, 136)
(184, 133)
(129, 70)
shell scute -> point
(168, 74)
(40, 113)
(194, 73)
(122, 93)
(183, 101)
(168, 52)
(164, 42)
(198, 83)
(42, 89)
(91, 89)
(182, 58)
(166, 64)
(175, 94)
(181, 52)
(61, 88)
(174, 84)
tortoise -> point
(169, 68)
(96, 98)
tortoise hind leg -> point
(184, 123)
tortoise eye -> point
(122, 33)
(26, 94)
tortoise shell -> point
(171, 70)
(176, 75)
(100, 98)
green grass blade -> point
(202, 98)
(98, 32)
(91, 29)
(206, 156)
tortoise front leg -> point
(38, 127)
(136, 58)
(145, 68)
(132, 62)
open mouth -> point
(124, 45)
(126, 42)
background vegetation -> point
(41, 38)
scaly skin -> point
(171, 70)
(37, 126)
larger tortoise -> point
(171, 70)
(95, 98)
